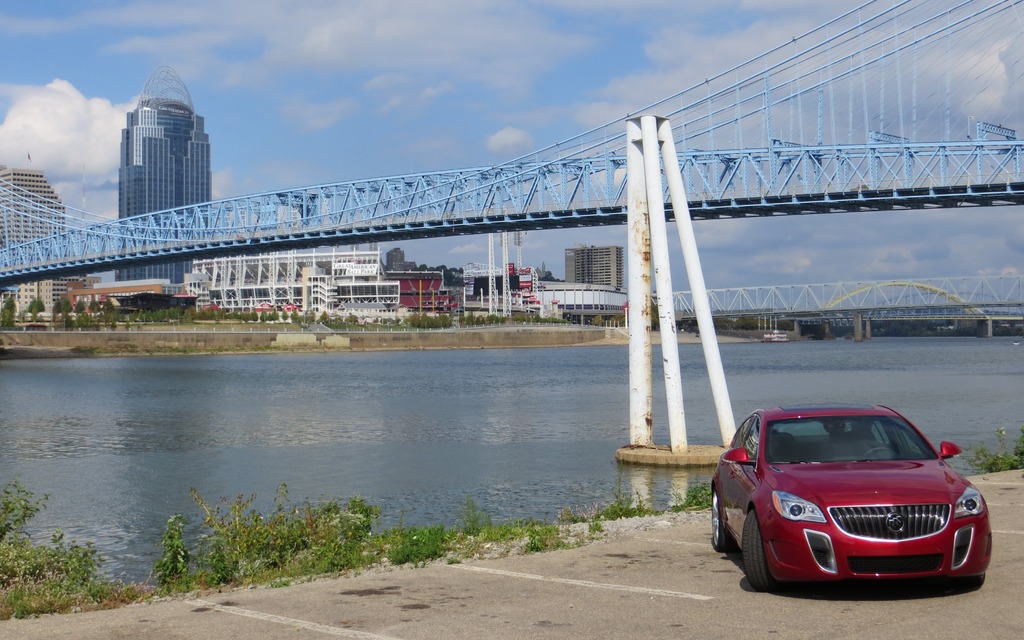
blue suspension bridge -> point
(895, 104)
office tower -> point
(165, 161)
(595, 265)
(33, 210)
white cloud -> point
(67, 134)
(314, 116)
(510, 141)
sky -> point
(303, 92)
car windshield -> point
(844, 439)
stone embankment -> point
(120, 342)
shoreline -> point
(24, 345)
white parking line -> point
(659, 540)
(292, 622)
(585, 583)
(1016, 533)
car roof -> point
(812, 410)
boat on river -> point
(775, 335)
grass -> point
(232, 543)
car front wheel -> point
(721, 540)
(755, 564)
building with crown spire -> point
(165, 161)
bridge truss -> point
(895, 104)
(977, 297)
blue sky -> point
(303, 92)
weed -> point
(37, 579)
(623, 505)
(473, 520)
(17, 507)
(172, 570)
(986, 461)
(417, 545)
(543, 537)
(697, 498)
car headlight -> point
(970, 504)
(793, 507)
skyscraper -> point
(595, 265)
(165, 161)
(33, 210)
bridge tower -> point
(650, 140)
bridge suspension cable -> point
(893, 104)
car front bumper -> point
(801, 551)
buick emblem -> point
(894, 521)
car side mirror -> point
(739, 455)
(948, 450)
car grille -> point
(895, 564)
(901, 522)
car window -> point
(752, 436)
(844, 439)
(741, 433)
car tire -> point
(721, 540)
(755, 563)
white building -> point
(333, 281)
(580, 303)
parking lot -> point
(660, 582)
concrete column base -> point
(696, 455)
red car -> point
(818, 493)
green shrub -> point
(37, 579)
(697, 498)
(624, 505)
(417, 545)
(172, 569)
(17, 507)
(472, 520)
(243, 544)
(986, 461)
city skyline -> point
(298, 94)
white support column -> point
(506, 293)
(701, 305)
(638, 315)
(652, 150)
(490, 274)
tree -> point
(62, 309)
(110, 313)
(9, 313)
(36, 307)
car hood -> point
(871, 483)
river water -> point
(117, 443)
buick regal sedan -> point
(821, 493)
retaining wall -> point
(142, 341)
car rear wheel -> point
(721, 540)
(755, 564)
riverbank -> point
(662, 566)
(82, 344)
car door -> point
(737, 479)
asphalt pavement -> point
(661, 582)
